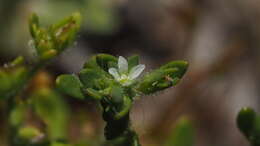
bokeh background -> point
(219, 38)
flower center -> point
(124, 79)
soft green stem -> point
(118, 130)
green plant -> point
(15, 77)
(182, 135)
(113, 83)
(249, 124)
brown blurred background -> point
(219, 38)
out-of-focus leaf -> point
(246, 120)
(249, 124)
(18, 114)
(182, 135)
(59, 144)
(12, 78)
(29, 133)
(71, 85)
(52, 40)
(53, 110)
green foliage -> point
(44, 102)
(112, 82)
(52, 40)
(12, 78)
(29, 133)
(182, 135)
(71, 85)
(109, 80)
(53, 110)
(249, 124)
(166, 76)
(18, 113)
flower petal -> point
(122, 65)
(114, 73)
(136, 71)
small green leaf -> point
(105, 61)
(71, 85)
(29, 133)
(158, 80)
(91, 78)
(133, 61)
(53, 110)
(34, 25)
(51, 41)
(64, 32)
(166, 76)
(94, 94)
(180, 65)
(182, 135)
(246, 120)
(18, 114)
(249, 124)
(11, 80)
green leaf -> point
(133, 61)
(18, 114)
(158, 80)
(166, 76)
(180, 65)
(249, 124)
(70, 85)
(51, 41)
(64, 32)
(34, 25)
(94, 94)
(91, 78)
(11, 80)
(53, 110)
(29, 133)
(246, 120)
(106, 61)
(182, 135)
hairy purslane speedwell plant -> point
(114, 83)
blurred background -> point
(220, 39)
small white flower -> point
(123, 75)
